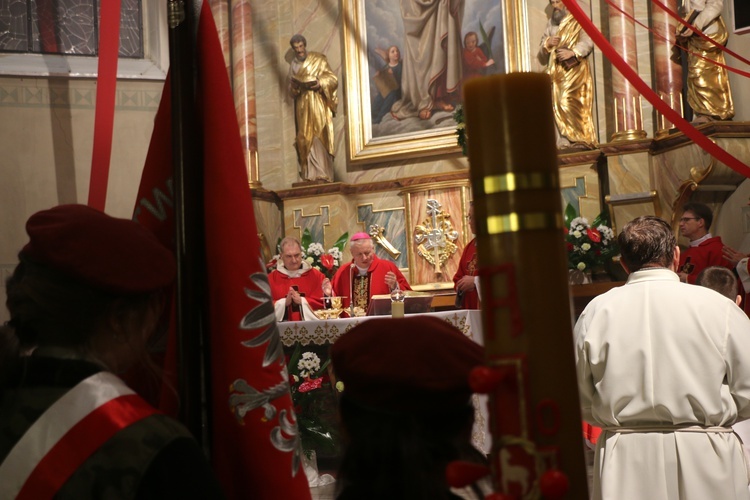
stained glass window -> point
(67, 27)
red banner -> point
(256, 449)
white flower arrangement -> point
(308, 364)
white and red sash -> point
(67, 434)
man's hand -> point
(315, 87)
(564, 54)
(465, 284)
(732, 255)
(293, 296)
(390, 280)
(327, 288)
(551, 42)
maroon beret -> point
(106, 253)
(412, 364)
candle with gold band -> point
(530, 375)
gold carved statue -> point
(313, 85)
(708, 89)
(565, 48)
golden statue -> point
(572, 85)
(708, 89)
(313, 86)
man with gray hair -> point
(297, 288)
(664, 369)
(366, 275)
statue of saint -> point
(708, 91)
(313, 86)
(572, 85)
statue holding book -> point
(313, 86)
(565, 48)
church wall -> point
(46, 141)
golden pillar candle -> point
(534, 408)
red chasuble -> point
(375, 285)
(468, 267)
(707, 254)
(309, 285)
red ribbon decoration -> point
(670, 114)
(106, 83)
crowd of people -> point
(663, 368)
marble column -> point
(220, 11)
(243, 82)
(627, 101)
(667, 73)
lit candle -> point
(397, 309)
(535, 413)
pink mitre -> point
(360, 236)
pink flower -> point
(310, 384)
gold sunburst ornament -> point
(435, 236)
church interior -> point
(381, 180)
(397, 179)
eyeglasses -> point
(685, 219)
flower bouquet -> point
(325, 261)
(314, 402)
(589, 246)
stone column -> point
(220, 11)
(667, 73)
(627, 101)
(243, 82)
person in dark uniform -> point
(84, 299)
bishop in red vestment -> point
(370, 274)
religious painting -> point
(405, 64)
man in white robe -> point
(664, 369)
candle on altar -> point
(526, 310)
(397, 309)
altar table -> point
(318, 335)
(321, 332)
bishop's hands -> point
(391, 280)
(465, 284)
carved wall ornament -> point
(435, 236)
(377, 234)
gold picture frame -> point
(367, 145)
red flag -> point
(255, 444)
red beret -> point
(109, 254)
(413, 364)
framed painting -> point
(405, 62)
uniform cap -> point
(104, 252)
(415, 364)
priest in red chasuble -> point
(297, 288)
(366, 275)
(705, 250)
(465, 279)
